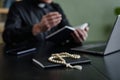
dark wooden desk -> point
(108, 65)
(22, 68)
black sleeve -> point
(14, 31)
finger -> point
(53, 18)
(82, 34)
(77, 36)
(87, 29)
(50, 22)
(54, 23)
(85, 35)
(53, 14)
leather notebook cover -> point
(44, 63)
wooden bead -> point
(59, 58)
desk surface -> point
(22, 68)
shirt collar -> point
(41, 5)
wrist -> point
(36, 29)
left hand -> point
(80, 35)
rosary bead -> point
(58, 57)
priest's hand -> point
(80, 35)
(47, 22)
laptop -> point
(111, 65)
(110, 46)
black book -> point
(44, 63)
(60, 35)
(64, 33)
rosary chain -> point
(58, 58)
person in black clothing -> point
(32, 20)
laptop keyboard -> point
(97, 49)
(89, 46)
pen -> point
(26, 51)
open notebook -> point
(64, 33)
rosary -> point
(59, 58)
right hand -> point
(48, 21)
(80, 35)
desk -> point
(22, 68)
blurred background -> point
(100, 14)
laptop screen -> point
(114, 39)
